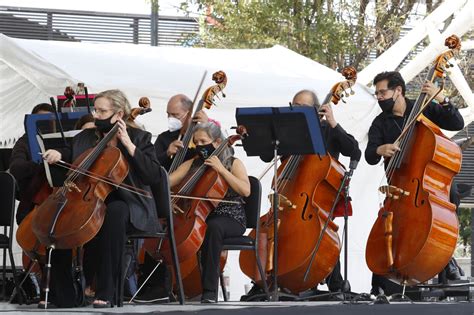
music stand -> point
(272, 131)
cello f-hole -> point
(305, 207)
(418, 202)
(85, 198)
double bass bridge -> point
(393, 192)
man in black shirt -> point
(338, 141)
(167, 143)
(387, 126)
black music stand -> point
(272, 131)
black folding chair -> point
(7, 217)
(161, 193)
(252, 211)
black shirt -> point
(386, 127)
(338, 141)
(161, 145)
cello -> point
(191, 214)
(309, 185)
(152, 246)
(416, 230)
(27, 240)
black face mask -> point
(205, 151)
(104, 125)
(387, 105)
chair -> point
(161, 193)
(252, 212)
(7, 217)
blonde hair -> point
(119, 101)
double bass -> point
(309, 185)
(416, 231)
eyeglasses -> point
(100, 111)
(381, 92)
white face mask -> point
(174, 124)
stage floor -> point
(264, 308)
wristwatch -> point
(445, 101)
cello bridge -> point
(70, 186)
(393, 192)
(177, 210)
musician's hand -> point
(431, 89)
(326, 111)
(123, 136)
(387, 150)
(52, 156)
(215, 163)
(200, 117)
(174, 147)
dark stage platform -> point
(264, 308)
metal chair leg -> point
(19, 290)
(262, 276)
(4, 274)
(177, 270)
(15, 280)
(224, 291)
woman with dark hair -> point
(226, 220)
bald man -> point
(167, 143)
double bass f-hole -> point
(305, 207)
(418, 202)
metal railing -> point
(89, 26)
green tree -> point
(332, 32)
(465, 229)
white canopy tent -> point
(32, 71)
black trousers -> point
(218, 228)
(110, 247)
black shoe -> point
(208, 297)
(376, 291)
(252, 292)
(461, 272)
(152, 295)
(452, 271)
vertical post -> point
(154, 23)
(472, 242)
(135, 26)
(49, 25)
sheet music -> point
(46, 165)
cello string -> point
(407, 133)
(106, 180)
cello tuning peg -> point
(352, 92)
(223, 94)
(343, 100)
